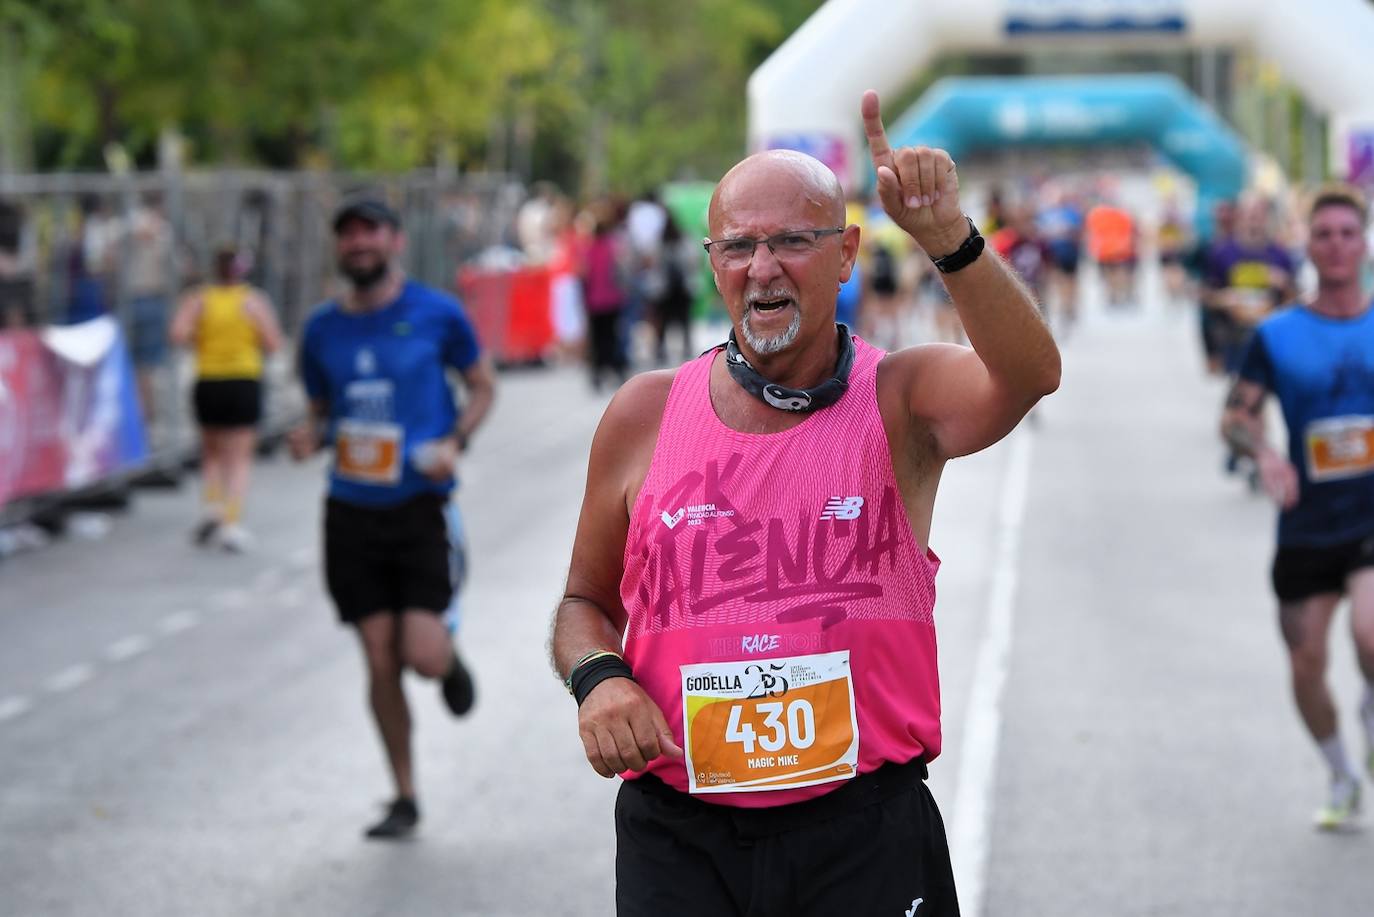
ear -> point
(849, 251)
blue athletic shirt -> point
(382, 375)
(1322, 371)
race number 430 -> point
(781, 724)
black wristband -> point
(593, 672)
(965, 254)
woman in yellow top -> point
(230, 326)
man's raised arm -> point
(970, 398)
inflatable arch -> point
(970, 114)
(806, 95)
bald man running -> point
(748, 625)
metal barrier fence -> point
(129, 244)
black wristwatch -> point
(965, 254)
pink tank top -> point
(749, 548)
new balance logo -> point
(843, 508)
(914, 904)
(675, 518)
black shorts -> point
(387, 559)
(872, 847)
(228, 402)
(1301, 572)
(1218, 330)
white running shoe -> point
(1343, 806)
(235, 539)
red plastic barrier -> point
(511, 310)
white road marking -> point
(10, 707)
(972, 811)
(178, 621)
(127, 648)
(73, 676)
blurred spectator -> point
(16, 278)
(1175, 241)
(231, 326)
(535, 223)
(1248, 277)
(151, 282)
(87, 259)
(1061, 227)
(1215, 320)
(604, 292)
(1019, 244)
(565, 283)
(676, 267)
(1110, 232)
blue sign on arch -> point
(964, 115)
(1094, 17)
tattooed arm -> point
(1242, 423)
(1242, 426)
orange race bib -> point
(774, 724)
(368, 452)
(1340, 447)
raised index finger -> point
(873, 129)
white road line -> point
(972, 812)
(73, 676)
(10, 707)
(178, 621)
(127, 648)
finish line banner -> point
(1094, 17)
(69, 412)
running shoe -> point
(1343, 806)
(401, 818)
(457, 688)
(235, 539)
(205, 531)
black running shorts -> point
(387, 559)
(1301, 572)
(876, 846)
(228, 402)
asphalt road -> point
(184, 732)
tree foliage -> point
(617, 93)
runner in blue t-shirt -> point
(1318, 359)
(375, 365)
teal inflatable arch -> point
(964, 115)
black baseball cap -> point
(369, 209)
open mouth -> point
(770, 304)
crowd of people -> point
(625, 276)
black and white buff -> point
(783, 398)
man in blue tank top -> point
(1318, 360)
(375, 366)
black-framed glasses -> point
(792, 244)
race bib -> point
(774, 724)
(1340, 447)
(368, 452)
